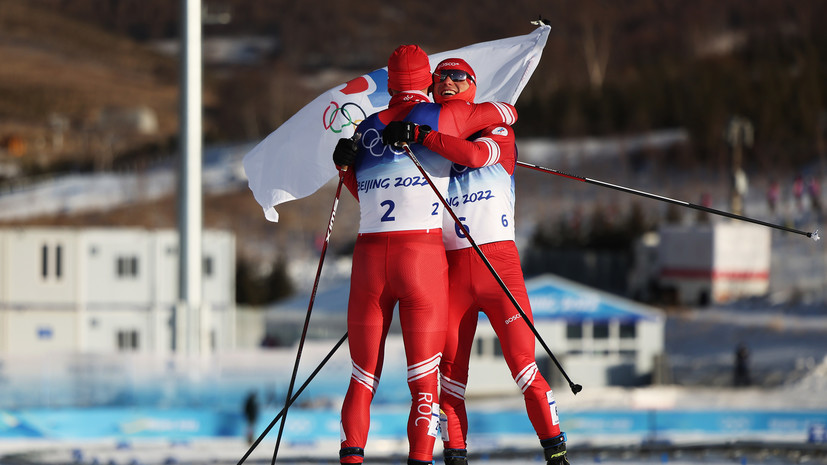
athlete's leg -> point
(370, 310)
(419, 276)
(516, 338)
(459, 336)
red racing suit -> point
(399, 257)
(483, 200)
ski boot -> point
(351, 453)
(455, 456)
(554, 450)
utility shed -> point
(714, 263)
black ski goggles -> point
(455, 75)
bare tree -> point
(597, 21)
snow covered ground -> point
(80, 193)
(788, 346)
(230, 451)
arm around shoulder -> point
(469, 118)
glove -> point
(398, 132)
(345, 152)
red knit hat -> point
(456, 63)
(409, 69)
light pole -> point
(187, 320)
(739, 134)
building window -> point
(628, 330)
(127, 267)
(628, 354)
(601, 331)
(45, 261)
(58, 261)
(479, 342)
(574, 331)
(207, 266)
(498, 350)
(44, 255)
(127, 340)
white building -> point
(598, 338)
(103, 290)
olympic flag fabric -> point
(295, 160)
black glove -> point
(398, 132)
(345, 152)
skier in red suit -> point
(481, 194)
(399, 256)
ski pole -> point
(310, 307)
(813, 235)
(293, 399)
(575, 388)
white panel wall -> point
(650, 338)
(219, 284)
(41, 331)
(742, 247)
(118, 267)
(742, 261)
(160, 338)
(166, 267)
(4, 315)
(33, 280)
(103, 327)
(4, 264)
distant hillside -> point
(608, 68)
(68, 90)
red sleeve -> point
(461, 119)
(494, 145)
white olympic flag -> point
(295, 160)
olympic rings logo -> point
(349, 114)
(372, 141)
